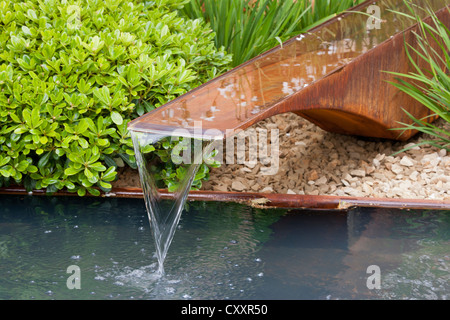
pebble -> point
(376, 162)
(396, 168)
(406, 161)
(221, 188)
(313, 175)
(413, 176)
(358, 173)
(238, 186)
(321, 181)
(267, 190)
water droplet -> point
(170, 290)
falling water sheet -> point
(164, 217)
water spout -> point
(165, 215)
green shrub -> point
(429, 85)
(74, 73)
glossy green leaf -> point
(71, 171)
(116, 118)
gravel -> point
(315, 162)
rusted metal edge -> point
(265, 200)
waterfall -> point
(164, 216)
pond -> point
(220, 251)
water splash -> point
(165, 216)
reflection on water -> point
(220, 251)
(326, 256)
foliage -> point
(247, 28)
(168, 165)
(430, 85)
(74, 73)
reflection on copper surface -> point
(234, 99)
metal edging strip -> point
(265, 200)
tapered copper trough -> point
(332, 76)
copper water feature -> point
(332, 76)
(335, 76)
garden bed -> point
(314, 162)
(77, 148)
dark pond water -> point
(220, 251)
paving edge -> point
(265, 200)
